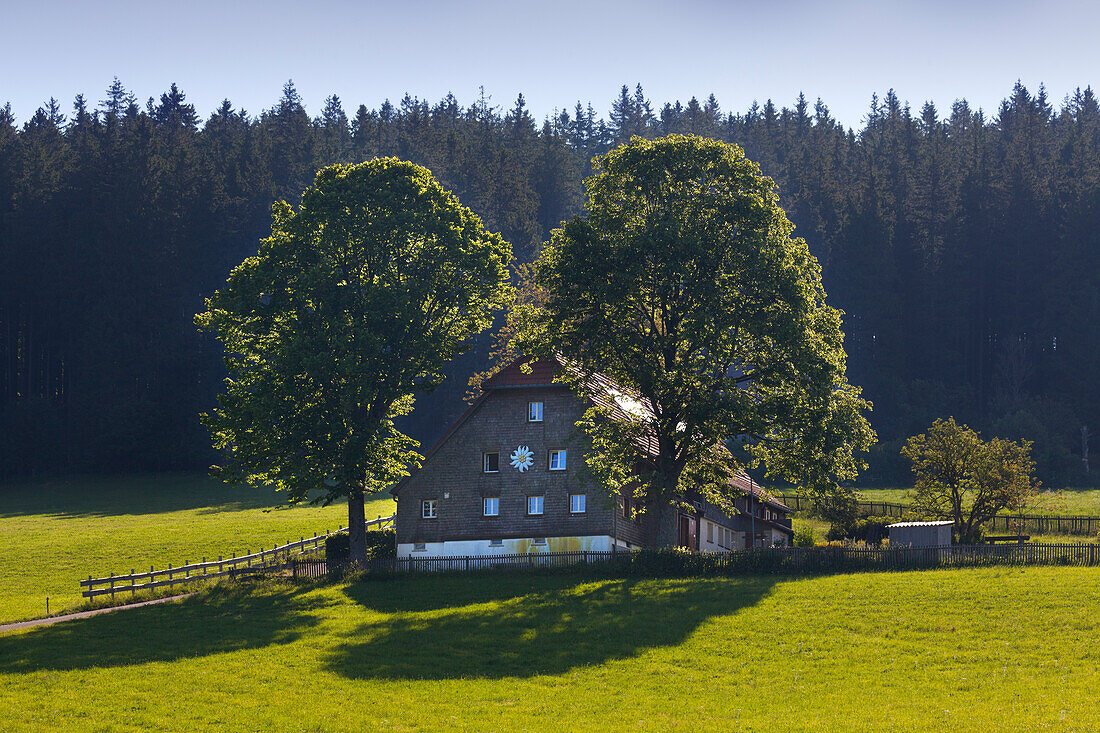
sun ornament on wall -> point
(522, 458)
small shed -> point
(920, 534)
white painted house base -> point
(524, 546)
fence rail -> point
(1034, 523)
(247, 564)
(767, 560)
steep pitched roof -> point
(605, 392)
(602, 391)
(541, 372)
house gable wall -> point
(453, 475)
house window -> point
(428, 509)
(491, 462)
(534, 412)
(534, 504)
(538, 541)
(496, 543)
(419, 547)
(576, 503)
(557, 460)
(626, 507)
(492, 506)
(710, 532)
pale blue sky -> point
(554, 52)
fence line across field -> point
(1038, 523)
(773, 559)
(211, 569)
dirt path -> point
(85, 614)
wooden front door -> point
(688, 529)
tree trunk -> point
(357, 531)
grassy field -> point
(1064, 502)
(56, 532)
(989, 649)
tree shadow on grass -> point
(419, 593)
(495, 630)
(224, 620)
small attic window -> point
(534, 412)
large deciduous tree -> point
(967, 480)
(354, 304)
(681, 282)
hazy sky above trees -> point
(553, 52)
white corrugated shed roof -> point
(921, 524)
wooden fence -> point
(760, 560)
(1034, 523)
(251, 563)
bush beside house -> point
(380, 543)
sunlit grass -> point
(994, 649)
(819, 527)
(1061, 502)
(56, 532)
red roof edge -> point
(542, 371)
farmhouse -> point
(508, 477)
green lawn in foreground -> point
(969, 650)
(56, 532)
(1064, 502)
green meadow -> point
(997, 649)
(56, 532)
(1064, 502)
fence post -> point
(112, 586)
(132, 591)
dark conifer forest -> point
(963, 245)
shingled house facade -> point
(508, 477)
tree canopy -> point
(351, 307)
(682, 283)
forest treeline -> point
(963, 246)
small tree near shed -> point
(967, 480)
